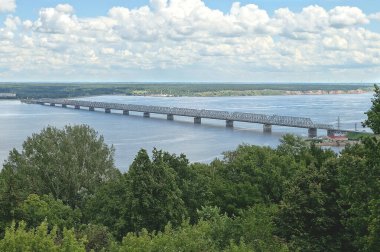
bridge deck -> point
(289, 121)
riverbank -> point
(265, 92)
(69, 90)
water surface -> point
(201, 143)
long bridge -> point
(229, 117)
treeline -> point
(51, 90)
(61, 192)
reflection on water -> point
(201, 143)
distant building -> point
(7, 96)
(338, 135)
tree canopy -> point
(63, 193)
(373, 114)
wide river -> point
(201, 143)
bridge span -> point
(229, 117)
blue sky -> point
(190, 40)
(30, 9)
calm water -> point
(200, 143)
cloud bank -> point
(186, 40)
(7, 5)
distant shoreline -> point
(36, 91)
(227, 93)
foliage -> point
(60, 90)
(67, 163)
(98, 237)
(40, 239)
(35, 209)
(155, 196)
(251, 175)
(308, 215)
(187, 238)
(297, 197)
(373, 120)
(110, 207)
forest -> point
(66, 90)
(62, 192)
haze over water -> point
(201, 143)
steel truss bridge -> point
(197, 114)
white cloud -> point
(335, 42)
(185, 39)
(56, 20)
(7, 5)
(375, 16)
(342, 16)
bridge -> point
(229, 117)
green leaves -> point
(40, 239)
(68, 164)
(35, 209)
(155, 195)
(373, 120)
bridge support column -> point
(146, 114)
(170, 117)
(267, 128)
(107, 110)
(64, 106)
(312, 132)
(125, 112)
(77, 107)
(229, 123)
(197, 120)
(52, 104)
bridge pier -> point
(229, 123)
(146, 114)
(107, 110)
(77, 107)
(170, 117)
(64, 106)
(125, 112)
(91, 109)
(197, 120)
(312, 132)
(52, 104)
(267, 128)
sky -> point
(190, 41)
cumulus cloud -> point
(56, 20)
(186, 38)
(375, 16)
(342, 16)
(7, 5)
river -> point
(201, 143)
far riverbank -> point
(70, 90)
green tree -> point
(40, 239)
(250, 175)
(185, 238)
(98, 237)
(359, 188)
(309, 215)
(35, 209)
(155, 196)
(193, 181)
(67, 163)
(373, 114)
(10, 196)
(110, 206)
